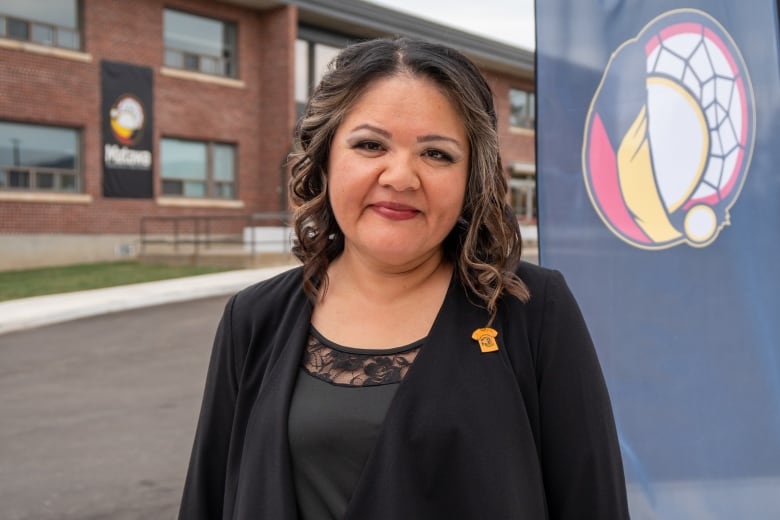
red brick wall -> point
(516, 145)
(257, 118)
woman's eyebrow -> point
(437, 137)
(373, 128)
(421, 139)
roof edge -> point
(369, 20)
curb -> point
(37, 311)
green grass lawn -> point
(51, 280)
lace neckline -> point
(357, 367)
(364, 351)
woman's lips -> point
(395, 211)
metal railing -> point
(204, 232)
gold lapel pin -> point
(486, 337)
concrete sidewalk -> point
(44, 310)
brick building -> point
(226, 81)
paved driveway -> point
(97, 416)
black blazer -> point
(526, 432)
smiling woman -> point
(413, 367)
(485, 239)
(396, 188)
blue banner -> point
(658, 160)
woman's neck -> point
(376, 280)
(371, 307)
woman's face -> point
(397, 172)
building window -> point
(522, 191)
(311, 62)
(198, 169)
(200, 44)
(39, 158)
(54, 23)
(522, 110)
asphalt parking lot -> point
(98, 414)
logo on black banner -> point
(127, 119)
(670, 133)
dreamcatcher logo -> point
(670, 133)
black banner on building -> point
(126, 114)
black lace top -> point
(341, 365)
(338, 406)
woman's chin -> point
(399, 255)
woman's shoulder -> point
(538, 278)
(548, 287)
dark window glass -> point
(44, 181)
(311, 61)
(181, 159)
(18, 179)
(229, 50)
(49, 22)
(62, 13)
(18, 29)
(69, 182)
(172, 187)
(39, 157)
(198, 43)
(197, 169)
(522, 109)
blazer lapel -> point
(265, 484)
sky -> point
(508, 21)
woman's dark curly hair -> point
(485, 243)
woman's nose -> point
(400, 173)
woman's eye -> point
(371, 146)
(439, 155)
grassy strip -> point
(51, 280)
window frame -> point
(34, 174)
(224, 67)
(528, 120)
(210, 182)
(313, 37)
(55, 30)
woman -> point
(413, 367)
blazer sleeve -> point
(580, 453)
(204, 487)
